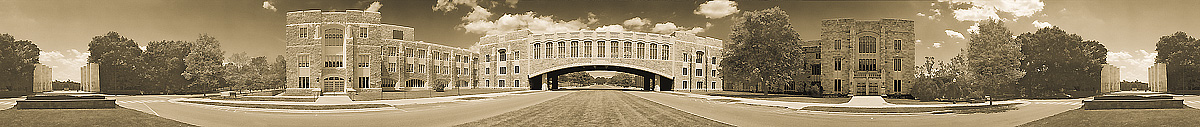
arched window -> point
(653, 51)
(574, 48)
(616, 49)
(333, 37)
(587, 49)
(503, 56)
(562, 49)
(666, 52)
(866, 44)
(600, 49)
(699, 56)
(537, 50)
(549, 50)
(641, 50)
(628, 49)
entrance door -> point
(333, 84)
(866, 89)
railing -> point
(867, 74)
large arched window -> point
(867, 44)
(549, 50)
(537, 50)
(641, 50)
(666, 52)
(653, 51)
(574, 48)
(628, 49)
(562, 49)
(333, 37)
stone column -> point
(41, 78)
(1158, 77)
(1110, 78)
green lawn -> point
(448, 92)
(773, 97)
(592, 108)
(1121, 118)
(118, 117)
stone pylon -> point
(1110, 78)
(90, 77)
(42, 78)
(1158, 77)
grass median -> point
(1121, 118)
(118, 117)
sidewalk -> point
(801, 105)
(391, 103)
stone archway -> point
(333, 84)
(649, 80)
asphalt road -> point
(761, 116)
(426, 116)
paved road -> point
(426, 116)
(759, 116)
(595, 108)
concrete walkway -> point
(861, 102)
(388, 102)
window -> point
(333, 37)
(600, 49)
(686, 57)
(699, 56)
(391, 67)
(549, 50)
(897, 65)
(866, 65)
(362, 32)
(641, 50)
(699, 72)
(685, 71)
(700, 84)
(837, 44)
(574, 49)
(364, 82)
(653, 51)
(713, 86)
(714, 73)
(364, 60)
(837, 65)
(896, 85)
(408, 52)
(517, 83)
(391, 51)
(303, 32)
(409, 68)
(302, 59)
(837, 85)
(587, 49)
(421, 68)
(487, 58)
(333, 61)
(537, 50)
(866, 44)
(517, 69)
(500, 83)
(487, 83)
(562, 49)
(815, 69)
(897, 44)
(397, 34)
(713, 61)
(421, 54)
(616, 49)
(516, 55)
(666, 52)
(503, 55)
(502, 70)
(628, 49)
(487, 70)
(303, 82)
(685, 84)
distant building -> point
(1110, 78)
(863, 57)
(42, 78)
(89, 79)
(1158, 77)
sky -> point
(62, 28)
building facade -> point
(1110, 78)
(865, 57)
(351, 52)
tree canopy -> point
(1057, 61)
(17, 59)
(994, 59)
(764, 49)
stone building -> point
(864, 57)
(1110, 78)
(351, 52)
(89, 79)
(1158, 77)
(42, 78)
(678, 61)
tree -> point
(994, 59)
(203, 61)
(578, 78)
(17, 59)
(165, 65)
(119, 60)
(942, 80)
(1056, 62)
(1181, 53)
(765, 48)
(279, 73)
(65, 85)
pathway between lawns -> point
(596, 108)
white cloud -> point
(974, 29)
(694, 30)
(374, 7)
(937, 45)
(1040, 24)
(592, 18)
(65, 64)
(267, 5)
(954, 34)
(984, 9)
(451, 5)
(478, 14)
(716, 9)
(636, 22)
(142, 47)
(1133, 64)
(664, 28)
(529, 20)
(611, 28)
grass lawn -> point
(773, 97)
(1121, 118)
(118, 117)
(448, 92)
(592, 108)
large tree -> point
(203, 61)
(1058, 62)
(119, 60)
(764, 49)
(942, 79)
(165, 65)
(17, 59)
(994, 59)
(1181, 53)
